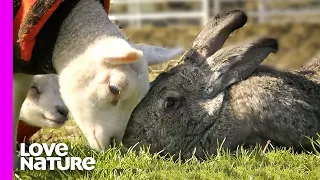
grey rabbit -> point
(224, 94)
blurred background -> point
(295, 23)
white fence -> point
(264, 15)
(134, 16)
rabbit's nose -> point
(62, 111)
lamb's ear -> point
(232, 64)
(213, 35)
(123, 56)
(158, 55)
(115, 51)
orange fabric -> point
(20, 16)
(25, 131)
(28, 41)
(107, 6)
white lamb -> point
(102, 76)
(43, 107)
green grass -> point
(117, 163)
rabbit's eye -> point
(171, 103)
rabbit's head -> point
(183, 103)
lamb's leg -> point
(21, 86)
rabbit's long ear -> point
(213, 35)
(232, 64)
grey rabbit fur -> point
(224, 94)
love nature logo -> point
(31, 160)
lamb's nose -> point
(62, 111)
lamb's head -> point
(108, 82)
(183, 103)
(44, 106)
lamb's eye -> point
(114, 89)
(170, 103)
(34, 90)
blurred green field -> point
(297, 42)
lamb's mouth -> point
(58, 121)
